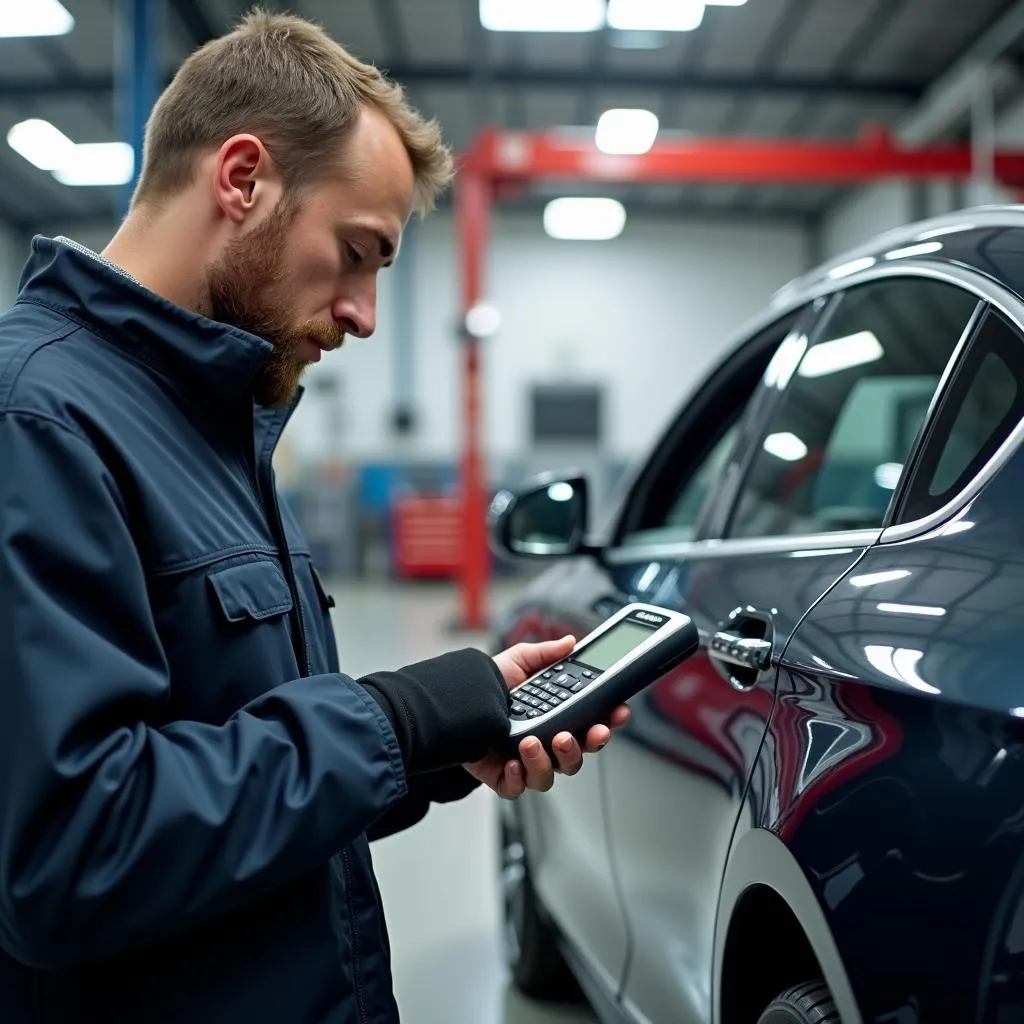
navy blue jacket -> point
(180, 758)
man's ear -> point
(245, 178)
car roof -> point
(973, 222)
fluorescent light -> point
(34, 18)
(872, 579)
(624, 131)
(655, 15)
(785, 446)
(924, 249)
(911, 609)
(841, 354)
(40, 143)
(580, 219)
(542, 15)
(483, 320)
(99, 163)
(561, 491)
(899, 663)
(887, 475)
(853, 267)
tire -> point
(810, 1003)
(534, 961)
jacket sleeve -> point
(114, 832)
(440, 787)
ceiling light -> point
(100, 163)
(34, 18)
(853, 267)
(909, 251)
(584, 219)
(724, 3)
(542, 15)
(656, 15)
(841, 354)
(887, 475)
(785, 446)
(624, 131)
(40, 143)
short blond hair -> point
(284, 80)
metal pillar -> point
(140, 24)
(472, 211)
(404, 375)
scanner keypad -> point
(550, 689)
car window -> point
(834, 449)
(985, 401)
(683, 514)
(671, 495)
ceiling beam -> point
(195, 20)
(90, 86)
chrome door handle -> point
(741, 649)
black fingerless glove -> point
(445, 711)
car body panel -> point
(918, 835)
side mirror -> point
(547, 518)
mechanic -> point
(180, 757)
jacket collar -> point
(191, 349)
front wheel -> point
(810, 1003)
(534, 961)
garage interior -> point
(717, 150)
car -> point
(825, 823)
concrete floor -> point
(438, 879)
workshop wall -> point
(644, 314)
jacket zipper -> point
(271, 509)
(357, 981)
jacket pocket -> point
(252, 591)
(326, 600)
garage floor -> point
(438, 878)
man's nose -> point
(356, 313)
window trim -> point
(983, 288)
(700, 400)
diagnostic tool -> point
(627, 652)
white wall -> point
(869, 211)
(865, 213)
(645, 314)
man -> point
(180, 758)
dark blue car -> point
(829, 827)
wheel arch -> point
(760, 863)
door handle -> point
(741, 649)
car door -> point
(567, 829)
(802, 494)
(906, 822)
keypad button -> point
(554, 701)
(587, 674)
(550, 688)
(563, 680)
(548, 675)
(557, 668)
(518, 709)
(564, 694)
(578, 686)
(532, 714)
(543, 706)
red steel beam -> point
(472, 211)
(508, 156)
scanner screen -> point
(613, 645)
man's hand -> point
(534, 770)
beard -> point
(246, 289)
